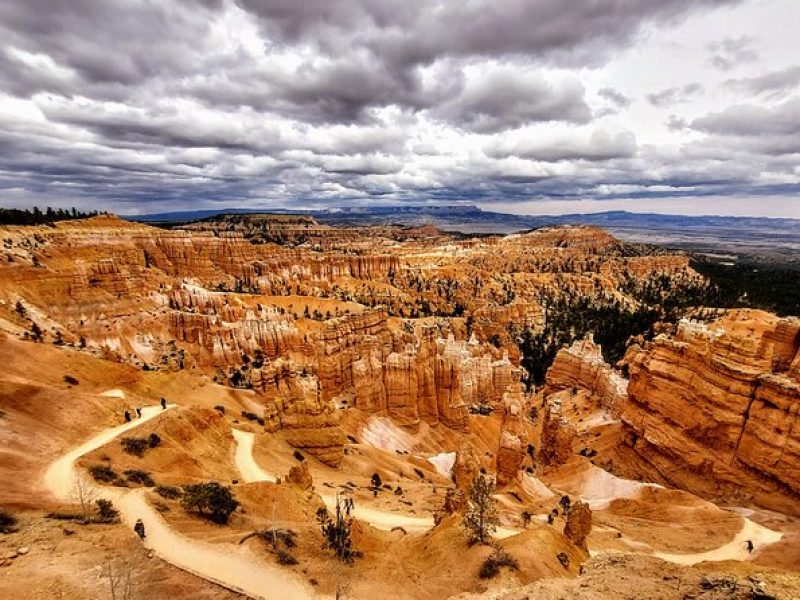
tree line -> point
(35, 216)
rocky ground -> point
(299, 361)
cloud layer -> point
(141, 106)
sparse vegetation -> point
(106, 512)
(8, 523)
(103, 473)
(135, 446)
(253, 417)
(169, 492)
(153, 440)
(211, 501)
(480, 518)
(285, 557)
(36, 333)
(140, 477)
(495, 561)
(336, 533)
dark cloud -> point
(506, 98)
(420, 31)
(122, 102)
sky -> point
(525, 106)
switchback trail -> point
(229, 565)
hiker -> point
(526, 518)
(163, 403)
(127, 416)
(139, 529)
(138, 412)
(749, 545)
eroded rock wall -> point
(715, 408)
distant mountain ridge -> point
(771, 238)
(401, 214)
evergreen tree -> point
(480, 519)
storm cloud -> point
(141, 106)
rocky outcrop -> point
(579, 524)
(300, 476)
(413, 324)
(582, 366)
(511, 450)
(412, 377)
(714, 409)
(557, 435)
(466, 467)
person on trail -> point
(749, 545)
(138, 412)
(139, 529)
(163, 404)
(127, 416)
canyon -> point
(406, 353)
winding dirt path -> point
(232, 566)
(736, 549)
(385, 520)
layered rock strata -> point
(714, 409)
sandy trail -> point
(243, 458)
(736, 549)
(251, 472)
(231, 566)
(599, 488)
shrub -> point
(169, 492)
(153, 440)
(285, 558)
(140, 477)
(210, 500)
(103, 473)
(299, 456)
(275, 537)
(495, 561)
(336, 533)
(63, 516)
(252, 417)
(8, 523)
(70, 380)
(106, 512)
(135, 446)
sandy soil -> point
(228, 565)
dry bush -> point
(495, 561)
